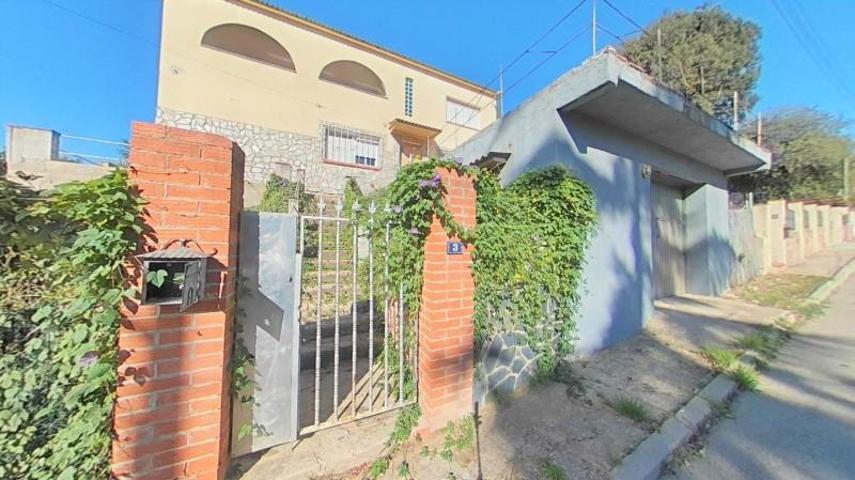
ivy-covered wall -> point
(618, 277)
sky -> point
(89, 67)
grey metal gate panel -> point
(267, 310)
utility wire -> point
(513, 62)
(551, 55)
(811, 41)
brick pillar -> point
(446, 329)
(172, 406)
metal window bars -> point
(366, 238)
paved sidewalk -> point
(802, 423)
(824, 263)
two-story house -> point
(305, 101)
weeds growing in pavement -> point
(553, 471)
(631, 408)
(746, 377)
(765, 341)
(721, 359)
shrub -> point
(61, 287)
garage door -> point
(669, 260)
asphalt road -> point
(801, 425)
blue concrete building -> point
(659, 167)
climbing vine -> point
(530, 245)
(62, 280)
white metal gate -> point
(357, 356)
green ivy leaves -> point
(530, 245)
(61, 285)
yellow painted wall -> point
(205, 81)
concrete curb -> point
(654, 452)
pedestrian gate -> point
(326, 324)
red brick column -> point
(172, 407)
(446, 329)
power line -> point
(551, 55)
(811, 41)
(625, 16)
(516, 59)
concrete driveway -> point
(802, 424)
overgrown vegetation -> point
(458, 438)
(808, 150)
(786, 291)
(631, 408)
(407, 420)
(721, 359)
(706, 54)
(531, 240)
(61, 286)
(284, 196)
(746, 377)
(766, 341)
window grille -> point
(461, 114)
(345, 145)
(408, 97)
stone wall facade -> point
(505, 366)
(293, 156)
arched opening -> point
(248, 42)
(354, 75)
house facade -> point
(305, 101)
(658, 166)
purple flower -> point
(397, 209)
(88, 359)
(415, 231)
(432, 183)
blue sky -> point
(91, 76)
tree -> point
(706, 54)
(808, 148)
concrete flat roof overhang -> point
(618, 93)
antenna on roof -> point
(593, 27)
(501, 92)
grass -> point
(746, 377)
(721, 359)
(553, 471)
(767, 340)
(631, 408)
(784, 291)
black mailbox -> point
(174, 275)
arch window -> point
(248, 42)
(354, 75)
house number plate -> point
(455, 248)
